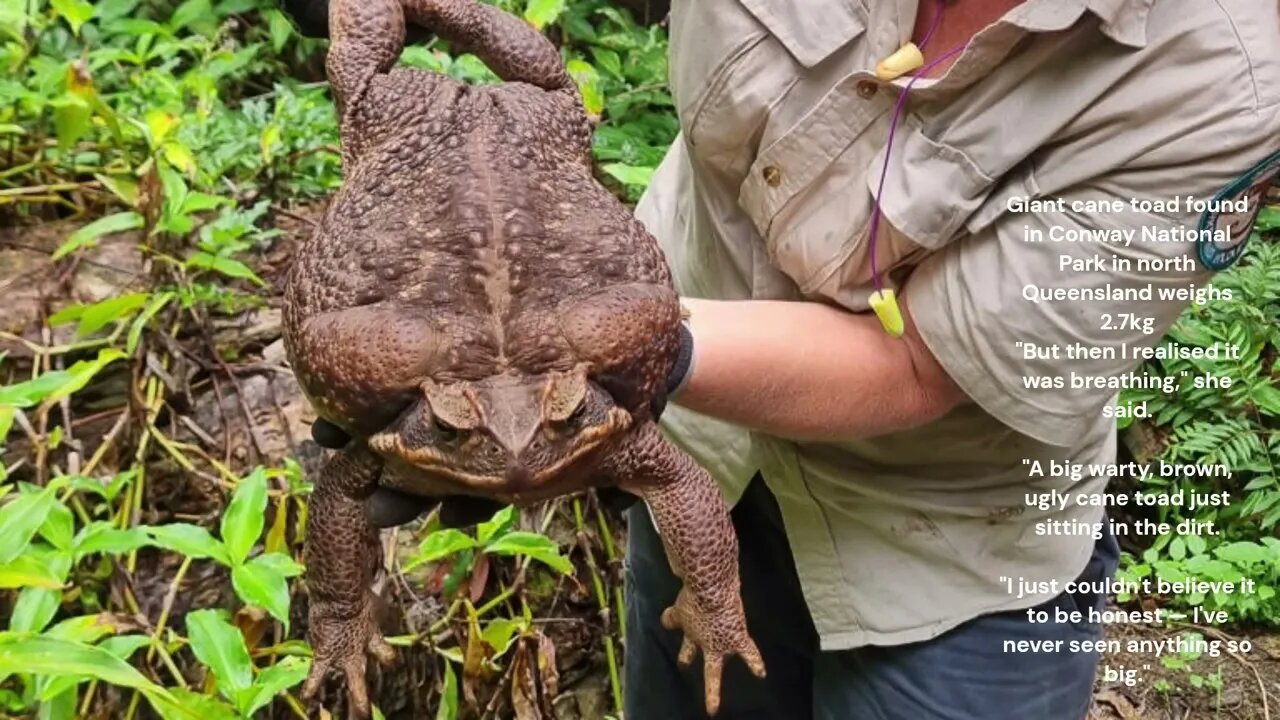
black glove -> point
(389, 508)
(312, 20)
(311, 16)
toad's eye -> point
(577, 414)
(445, 431)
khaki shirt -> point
(767, 193)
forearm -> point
(809, 371)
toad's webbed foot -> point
(340, 637)
(701, 546)
(342, 557)
(719, 632)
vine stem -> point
(611, 554)
(165, 609)
(602, 599)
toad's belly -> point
(575, 478)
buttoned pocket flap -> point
(809, 30)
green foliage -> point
(42, 554)
(1236, 427)
(183, 128)
(493, 537)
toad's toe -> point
(718, 633)
(340, 640)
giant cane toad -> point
(485, 319)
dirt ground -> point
(1232, 686)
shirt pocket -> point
(806, 192)
(733, 62)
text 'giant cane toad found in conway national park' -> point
(485, 319)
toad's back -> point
(473, 209)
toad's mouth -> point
(512, 477)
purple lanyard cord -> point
(893, 129)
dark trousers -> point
(961, 675)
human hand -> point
(312, 20)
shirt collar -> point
(1124, 21)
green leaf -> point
(1195, 544)
(27, 571)
(122, 186)
(22, 517)
(200, 202)
(34, 609)
(57, 384)
(87, 629)
(440, 544)
(245, 516)
(103, 537)
(1268, 219)
(1243, 553)
(71, 120)
(537, 547)
(541, 13)
(279, 28)
(190, 540)
(42, 655)
(75, 12)
(1267, 398)
(500, 634)
(225, 265)
(124, 646)
(629, 174)
(100, 314)
(175, 194)
(7, 414)
(108, 490)
(588, 81)
(58, 527)
(275, 680)
(448, 709)
(113, 9)
(179, 156)
(60, 702)
(189, 12)
(140, 323)
(609, 61)
(499, 523)
(188, 705)
(220, 646)
(261, 583)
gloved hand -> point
(310, 16)
(389, 508)
(312, 20)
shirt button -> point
(867, 89)
(772, 175)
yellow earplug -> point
(902, 61)
(885, 304)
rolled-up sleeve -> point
(1041, 314)
(1038, 332)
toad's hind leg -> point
(368, 37)
(342, 557)
(701, 546)
(511, 47)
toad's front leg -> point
(701, 546)
(342, 557)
